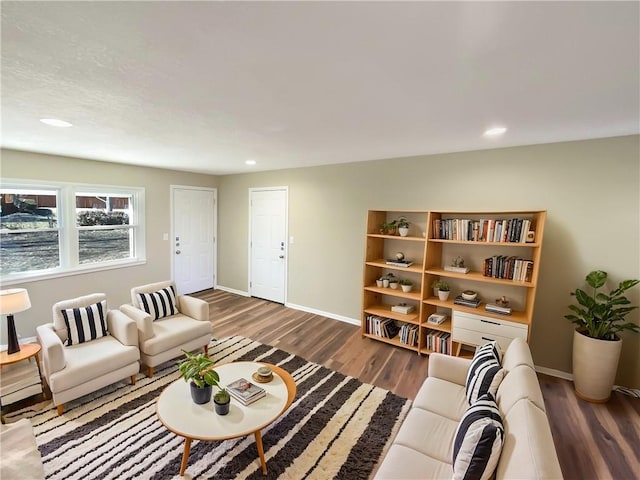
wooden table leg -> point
(258, 436)
(185, 455)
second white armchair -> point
(167, 323)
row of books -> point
(508, 267)
(245, 392)
(381, 326)
(409, 334)
(514, 230)
(438, 341)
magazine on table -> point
(245, 391)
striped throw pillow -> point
(478, 441)
(159, 304)
(485, 373)
(85, 323)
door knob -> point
(281, 256)
(177, 252)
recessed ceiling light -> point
(55, 122)
(250, 162)
(495, 131)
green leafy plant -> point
(600, 315)
(440, 285)
(222, 396)
(199, 369)
(406, 281)
(402, 222)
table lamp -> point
(12, 301)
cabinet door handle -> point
(488, 339)
(492, 323)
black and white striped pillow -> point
(485, 373)
(478, 441)
(85, 323)
(159, 304)
(491, 347)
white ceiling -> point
(204, 86)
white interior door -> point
(268, 243)
(193, 238)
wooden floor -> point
(593, 441)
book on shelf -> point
(436, 318)
(467, 303)
(245, 392)
(439, 342)
(381, 326)
(508, 267)
(399, 263)
(493, 308)
(409, 334)
(512, 230)
(450, 268)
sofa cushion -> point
(478, 440)
(520, 382)
(85, 323)
(405, 463)
(517, 353)
(428, 433)
(442, 397)
(172, 332)
(528, 451)
(159, 304)
(485, 373)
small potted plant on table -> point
(198, 369)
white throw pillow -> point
(159, 304)
(85, 323)
(478, 441)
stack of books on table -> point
(467, 303)
(493, 308)
(245, 392)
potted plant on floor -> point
(596, 344)
(198, 369)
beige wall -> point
(589, 188)
(118, 282)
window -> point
(53, 230)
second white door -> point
(268, 243)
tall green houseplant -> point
(600, 315)
(596, 345)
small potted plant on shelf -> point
(406, 285)
(386, 279)
(379, 282)
(443, 289)
(596, 344)
(403, 226)
(393, 282)
(198, 369)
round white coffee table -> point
(177, 411)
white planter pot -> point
(404, 231)
(595, 363)
(393, 285)
(379, 283)
(443, 295)
(385, 283)
(406, 288)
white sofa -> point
(423, 447)
(20, 455)
(76, 370)
(163, 339)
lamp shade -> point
(14, 300)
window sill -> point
(59, 273)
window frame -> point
(68, 230)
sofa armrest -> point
(52, 349)
(446, 367)
(122, 327)
(20, 455)
(193, 307)
(142, 319)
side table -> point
(19, 377)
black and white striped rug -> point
(337, 427)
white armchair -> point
(167, 323)
(79, 356)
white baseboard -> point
(232, 290)
(554, 373)
(341, 318)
